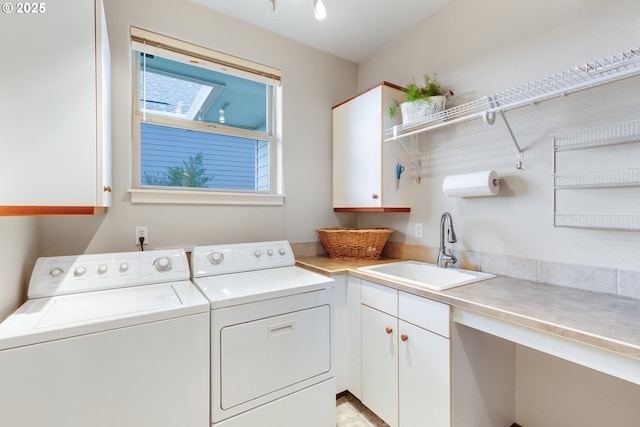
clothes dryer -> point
(272, 336)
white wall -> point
(313, 82)
(478, 48)
(555, 392)
(18, 250)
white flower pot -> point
(418, 111)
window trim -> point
(153, 43)
(174, 49)
(193, 197)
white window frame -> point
(152, 43)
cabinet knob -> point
(404, 337)
(388, 330)
(107, 188)
(374, 196)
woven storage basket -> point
(354, 243)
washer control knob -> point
(102, 269)
(163, 264)
(56, 272)
(216, 257)
(80, 271)
(270, 252)
(124, 267)
(257, 253)
(281, 251)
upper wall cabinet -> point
(55, 112)
(365, 169)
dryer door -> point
(266, 355)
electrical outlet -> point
(142, 232)
(418, 230)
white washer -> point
(107, 340)
(272, 336)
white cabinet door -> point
(364, 174)
(406, 368)
(348, 355)
(357, 154)
(424, 378)
(53, 105)
(380, 364)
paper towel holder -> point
(483, 183)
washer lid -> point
(241, 288)
(64, 316)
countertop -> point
(605, 321)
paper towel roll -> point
(472, 184)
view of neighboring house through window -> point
(201, 120)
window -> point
(204, 126)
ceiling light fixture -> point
(221, 118)
(319, 10)
(271, 7)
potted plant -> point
(422, 100)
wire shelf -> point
(598, 179)
(598, 222)
(592, 74)
(618, 133)
(602, 136)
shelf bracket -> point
(416, 164)
(489, 117)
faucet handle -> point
(444, 259)
(453, 257)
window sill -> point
(146, 195)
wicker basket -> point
(354, 243)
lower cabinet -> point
(347, 321)
(424, 378)
(380, 364)
(406, 364)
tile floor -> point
(350, 412)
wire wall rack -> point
(618, 133)
(608, 178)
(598, 179)
(615, 67)
(597, 222)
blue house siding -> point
(262, 166)
(231, 162)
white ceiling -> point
(352, 30)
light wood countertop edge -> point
(476, 297)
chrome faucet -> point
(444, 258)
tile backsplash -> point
(624, 283)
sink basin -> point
(425, 275)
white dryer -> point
(272, 336)
(107, 340)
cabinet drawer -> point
(431, 315)
(380, 297)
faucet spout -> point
(444, 258)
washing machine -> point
(272, 336)
(107, 340)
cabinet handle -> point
(388, 330)
(107, 188)
(374, 196)
(404, 337)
